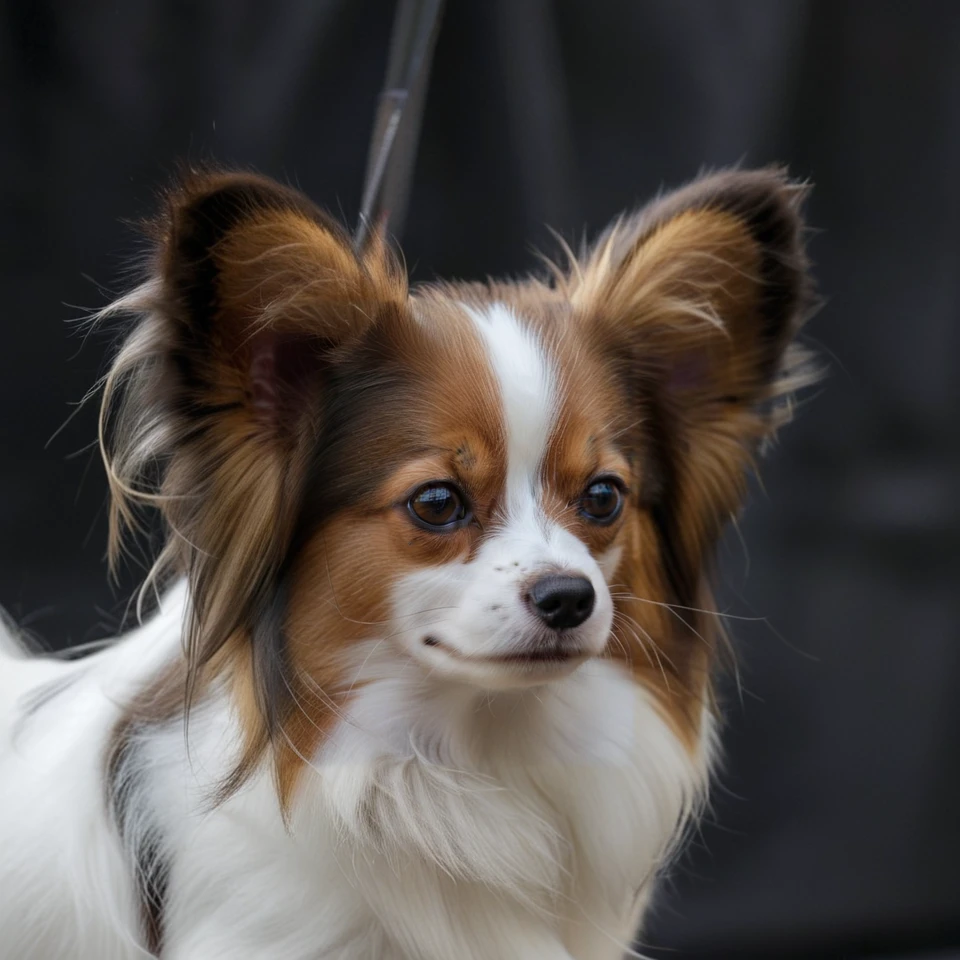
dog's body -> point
(431, 677)
(477, 866)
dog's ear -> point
(212, 404)
(258, 287)
(695, 300)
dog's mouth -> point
(556, 654)
(536, 656)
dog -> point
(429, 674)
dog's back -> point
(65, 885)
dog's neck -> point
(510, 789)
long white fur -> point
(436, 822)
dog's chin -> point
(508, 669)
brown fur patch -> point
(693, 303)
(213, 406)
(429, 413)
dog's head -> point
(496, 481)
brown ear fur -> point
(696, 300)
(212, 404)
(694, 303)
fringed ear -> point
(696, 300)
(212, 404)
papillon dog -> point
(429, 674)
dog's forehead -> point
(527, 384)
(522, 373)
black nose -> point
(562, 601)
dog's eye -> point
(439, 506)
(602, 501)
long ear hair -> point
(698, 299)
(214, 399)
(695, 303)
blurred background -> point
(834, 828)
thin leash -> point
(396, 127)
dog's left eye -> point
(439, 506)
(602, 501)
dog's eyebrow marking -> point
(527, 383)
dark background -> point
(834, 825)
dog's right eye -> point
(439, 507)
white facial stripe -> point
(527, 388)
(461, 619)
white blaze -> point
(527, 388)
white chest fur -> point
(438, 823)
(434, 823)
